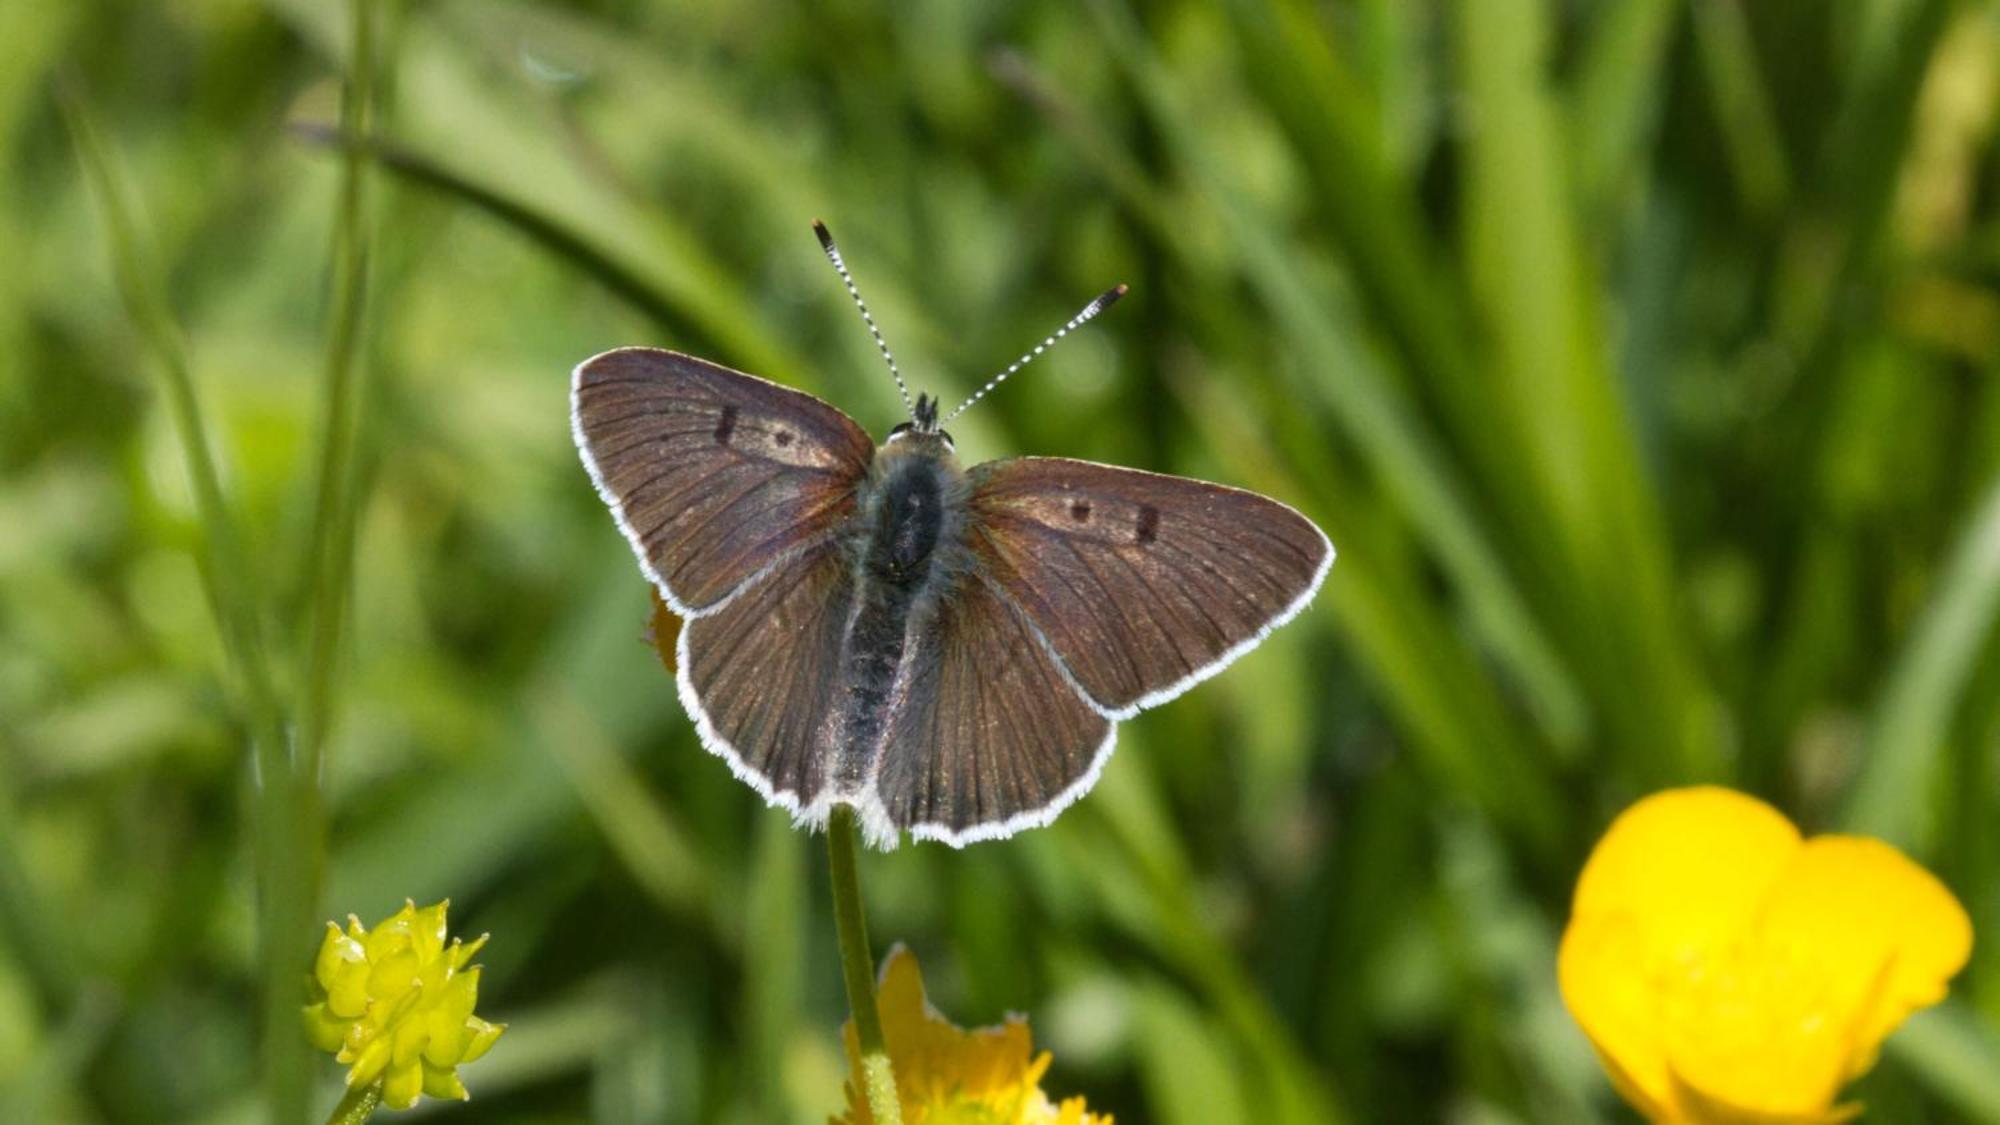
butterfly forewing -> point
(1143, 584)
(761, 673)
(986, 737)
(713, 474)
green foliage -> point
(1640, 358)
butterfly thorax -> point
(907, 502)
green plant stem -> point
(329, 557)
(857, 966)
(283, 866)
(330, 551)
(358, 1106)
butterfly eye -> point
(899, 430)
(946, 435)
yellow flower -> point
(396, 1003)
(948, 1076)
(1730, 972)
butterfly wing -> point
(760, 673)
(1144, 585)
(712, 474)
(986, 737)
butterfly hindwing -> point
(986, 737)
(761, 674)
(712, 473)
(1143, 584)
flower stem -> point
(357, 1106)
(857, 966)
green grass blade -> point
(1349, 382)
(1400, 284)
(553, 235)
(1618, 95)
(644, 834)
(329, 558)
(36, 1088)
(284, 860)
(1138, 850)
(1190, 1074)
(231, 586)
(1856, 173)
(1460, 731)
(777, 952)
(1894, 796)
(1742, 106)
(1957, 1054)
(1596, 523)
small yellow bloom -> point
(949, 1076)
(1730, 972)
(396, 1003)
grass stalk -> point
(1896, 795)
(330, 549)
(280, 860)
(1742, 106)
(1593, 527)
(1367, 407)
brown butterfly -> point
(948, 650)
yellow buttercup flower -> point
(395, 1003)
(1728, 971)
(946, 1075)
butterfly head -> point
(923, 426)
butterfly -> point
(948, 650)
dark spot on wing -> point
(726, 426)
(1149, 523)
(1080, 512)
(782, 437)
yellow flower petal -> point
(1727, 971)
(445, 1038)
(327, 1031)
(427, 929)
(462, 952)
(408, 1040)
(442, 1082)
(344, 979)
(338, 953)
(402, 1085)
(1756, 1029)
(373, 1060)
(1677, 874)
(1882, 926)
(483, 1036)
(946, 1075)
(1689, 865)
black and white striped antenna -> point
(847, 279)
(1090, 310)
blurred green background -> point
(1642, 359)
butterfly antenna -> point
(847, 279)
(1090, 310)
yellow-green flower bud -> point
(394, 1004)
